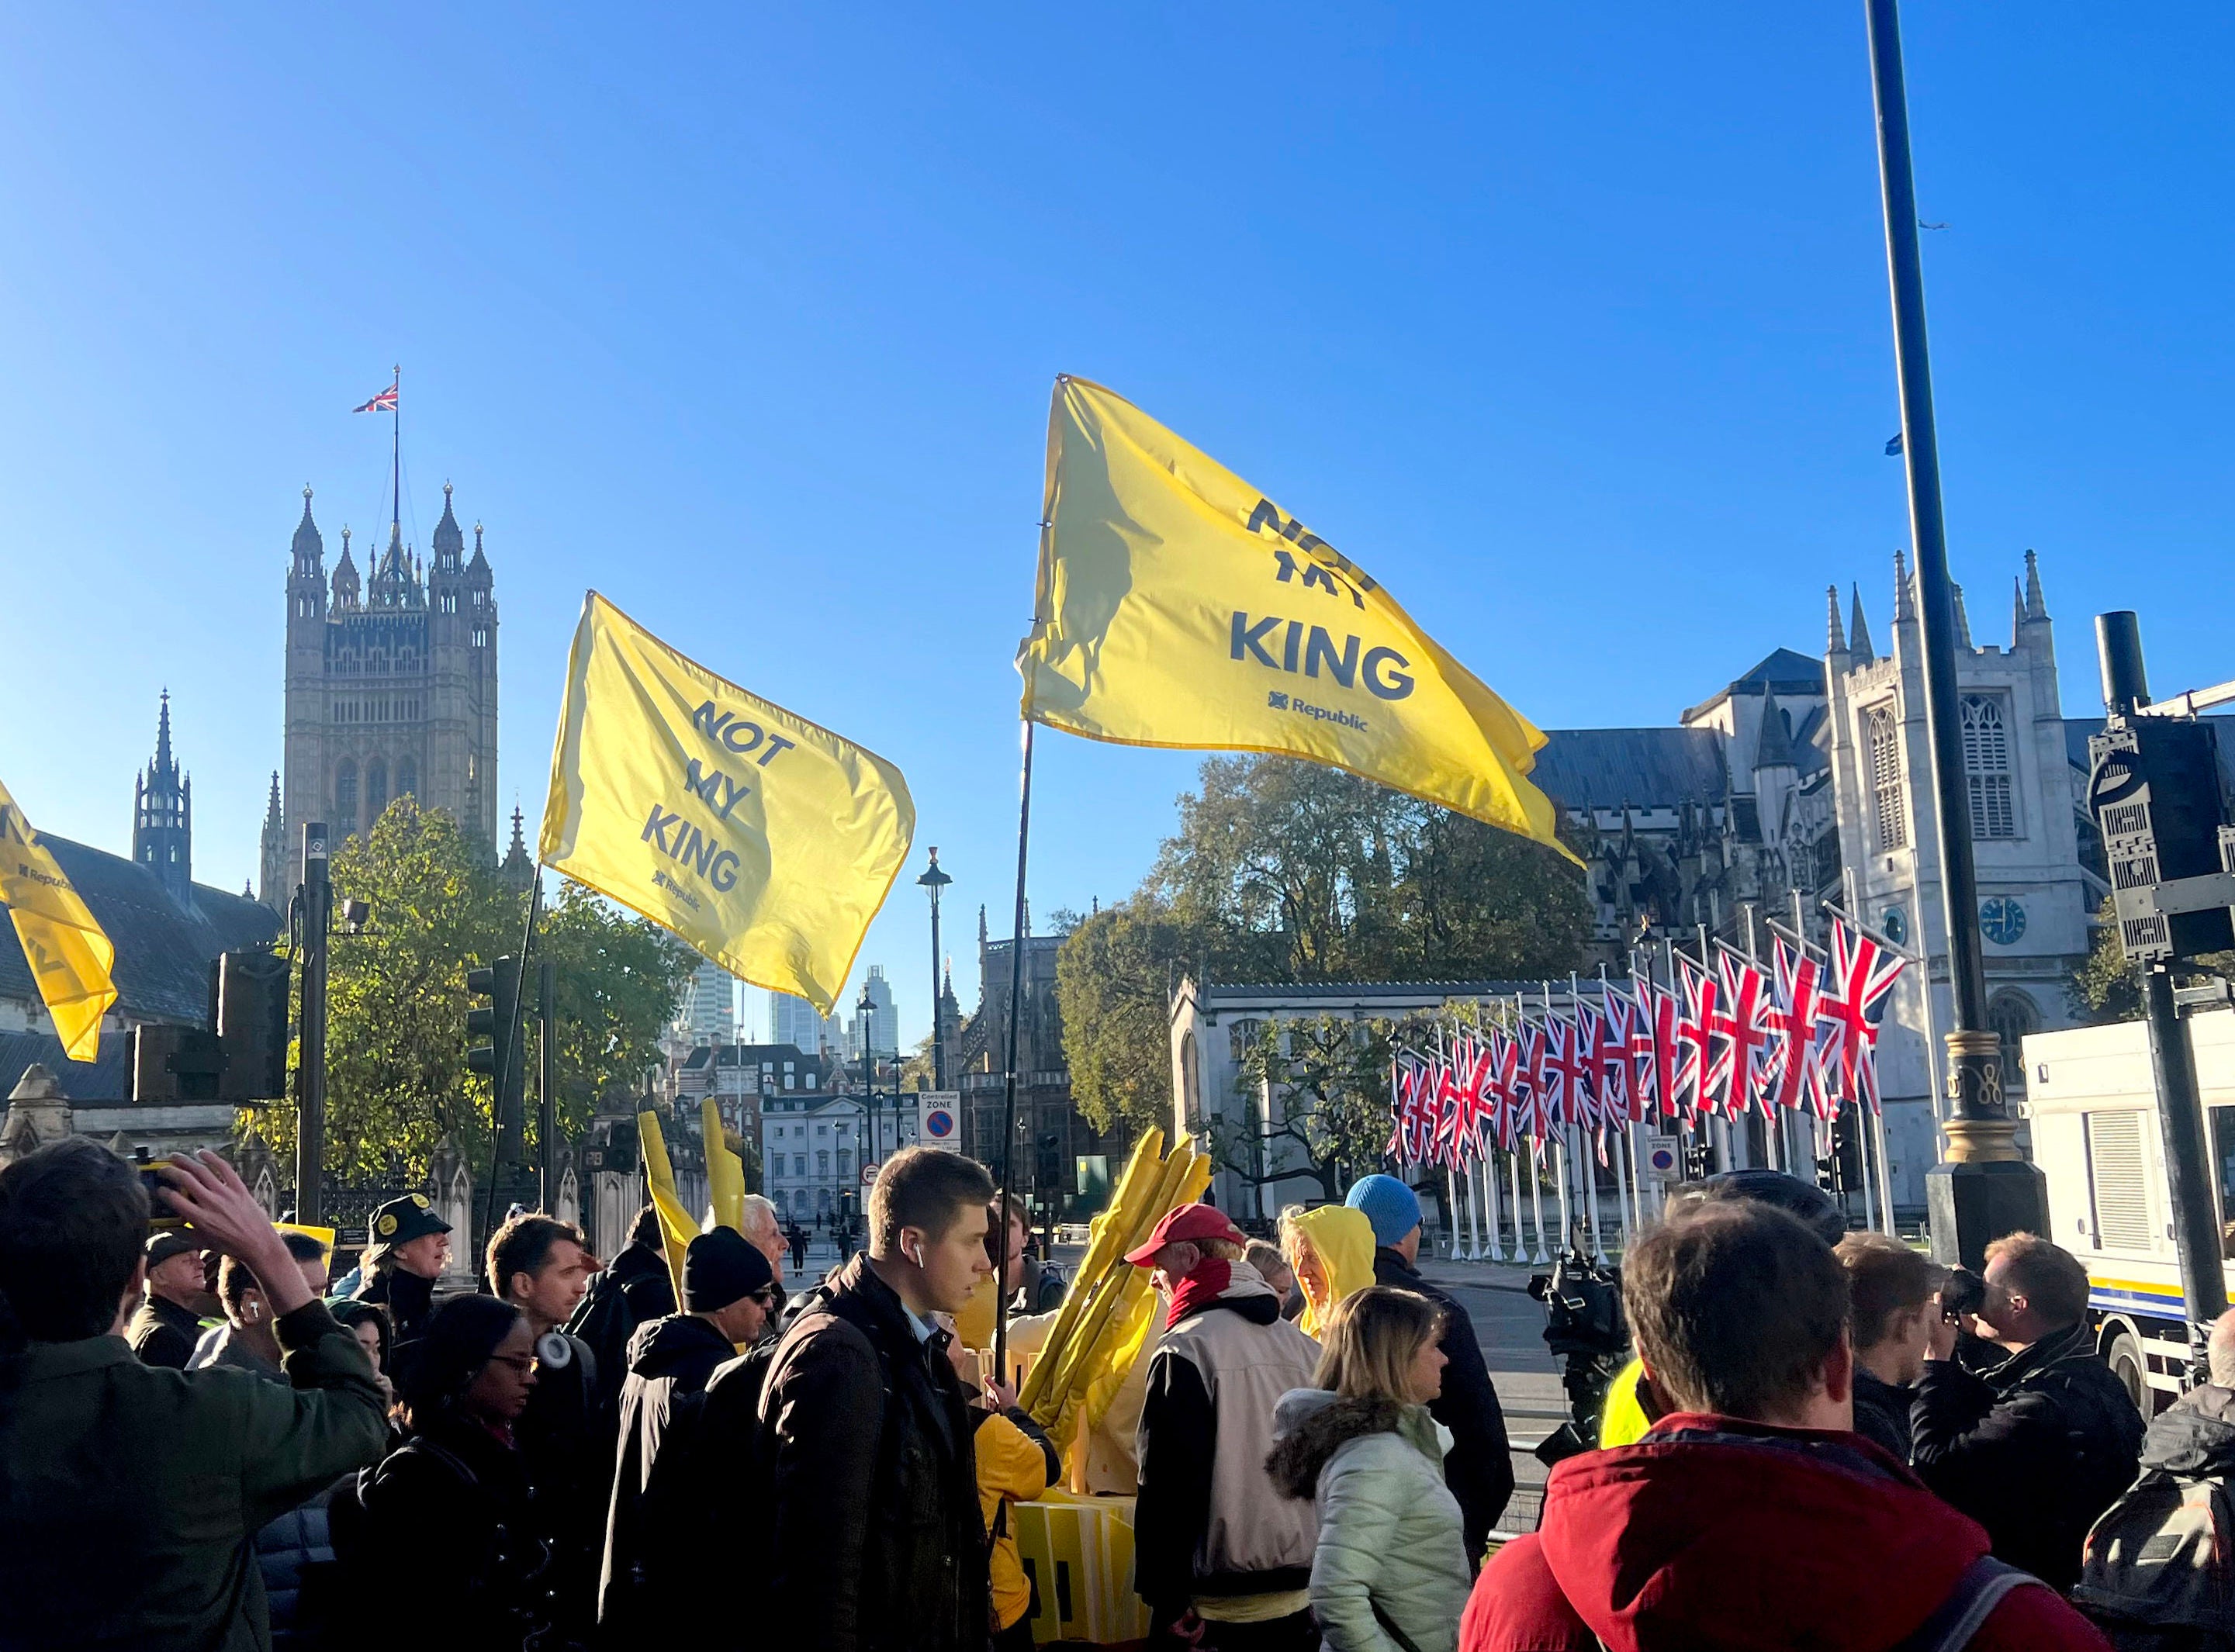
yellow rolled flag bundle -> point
(763, 840)
(677, 1229)
(725, 1171)
(1178, 606)
(69, 954)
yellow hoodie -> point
(1334, 1258)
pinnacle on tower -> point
(1963, 619)
(1835, 640)
(449, 542)
(164, 766)
(2017, 612)
(1905, 594)
(310, 549)
(1774, 748)
(1860, 644)
(2035, 606)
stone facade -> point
(391, 687)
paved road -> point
(1510, 1328)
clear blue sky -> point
(1568, 323)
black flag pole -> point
(509, 1053)
(1009, 1095)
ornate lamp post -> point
(936, 880)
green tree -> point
(397, 1081)
(2103, 987)
(1327, 1080)
(1113, 984)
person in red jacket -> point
(1751, 1516)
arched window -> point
(1987, 766)
(1882, 746)
(376, 790)
(1191, 1081)
(2011, 1015)
(345, 797)
(407, 777)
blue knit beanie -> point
(1393, 1208)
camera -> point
(1961, 1292)
(160, 1213)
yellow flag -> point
(765, 842)
(677, 1229)
(1178, 606)
(725, 1171)
(69, 956)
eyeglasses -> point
(522, 1364)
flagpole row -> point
(1016, 1018)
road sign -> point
(939, 1119)
(869, 1172)
(1664, 1157)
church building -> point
(390, 688)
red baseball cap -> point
(1186, 1222)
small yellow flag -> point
(69, 956)
(1178, 606)
(765, 842)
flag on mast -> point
(1177, 606)
(384, 403)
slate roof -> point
(1780, 671)
(109, 1078)
(163, 950)
(1649, 767)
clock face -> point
(1895, 922)
(2001, 920)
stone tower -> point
(273, 885)
(390, 686)
(163, 817)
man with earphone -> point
(873, 1521)
(246, 1341)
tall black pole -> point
(1984, 1188)
(2181, 1104)
(1009, 1095)
(315, 892)
(547, 1122)
(936, 880)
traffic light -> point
(490, 1048)
(2153, 794)
(251, 1025)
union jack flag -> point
(1535, 1119)
(1697, 1071)
(1749, 1039)
(1800, 1071)
(1611, 1073)
(384, 403)
(1653, 1047)
(1567, 1074)
(1503, 1086)
(1863, 973)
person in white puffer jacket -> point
(1389, 1573)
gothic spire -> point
(2036, 607)
(1905, 595)
(450, 541)
(1774, 748)
(1963, 619)
(165, 767)
(308, 547)
(272, 812)
(1835, 640)
(2017, 612)
(1859, 643)
(345, 580)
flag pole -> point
(508, 1053)
(396, 457)
(1009, 1091)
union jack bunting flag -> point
(1863, 973)
(1696, 1089)
(1534, 1121)
(1567, 1074)
(1799, 1073)
(1503, 1086)
(384, 403)
(1749, 1040)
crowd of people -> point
(199, 1450)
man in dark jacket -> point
(168, 1323)
(634, 1289)
(411, 1247)
(666, 1490)
(1893, 1287)
(2033, 1448)
(128, 1494)
(875, 1541)
(1479, 1468)
(1749, 1517)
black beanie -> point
(442, 1362)
(718, 1268)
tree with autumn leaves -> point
(398, 1086)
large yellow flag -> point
(1178, 606)
(69, 956)
(765, 842)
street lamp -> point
(867, 1007)
(936, 880)
(1985, 1188)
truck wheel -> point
(2129, 1364)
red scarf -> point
(1199, 1290)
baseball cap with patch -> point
(402, 1220)
(1186, 1222)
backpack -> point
(2162, 1559)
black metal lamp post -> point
(936, 880)
(866, 1007)
(1985, 1187)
